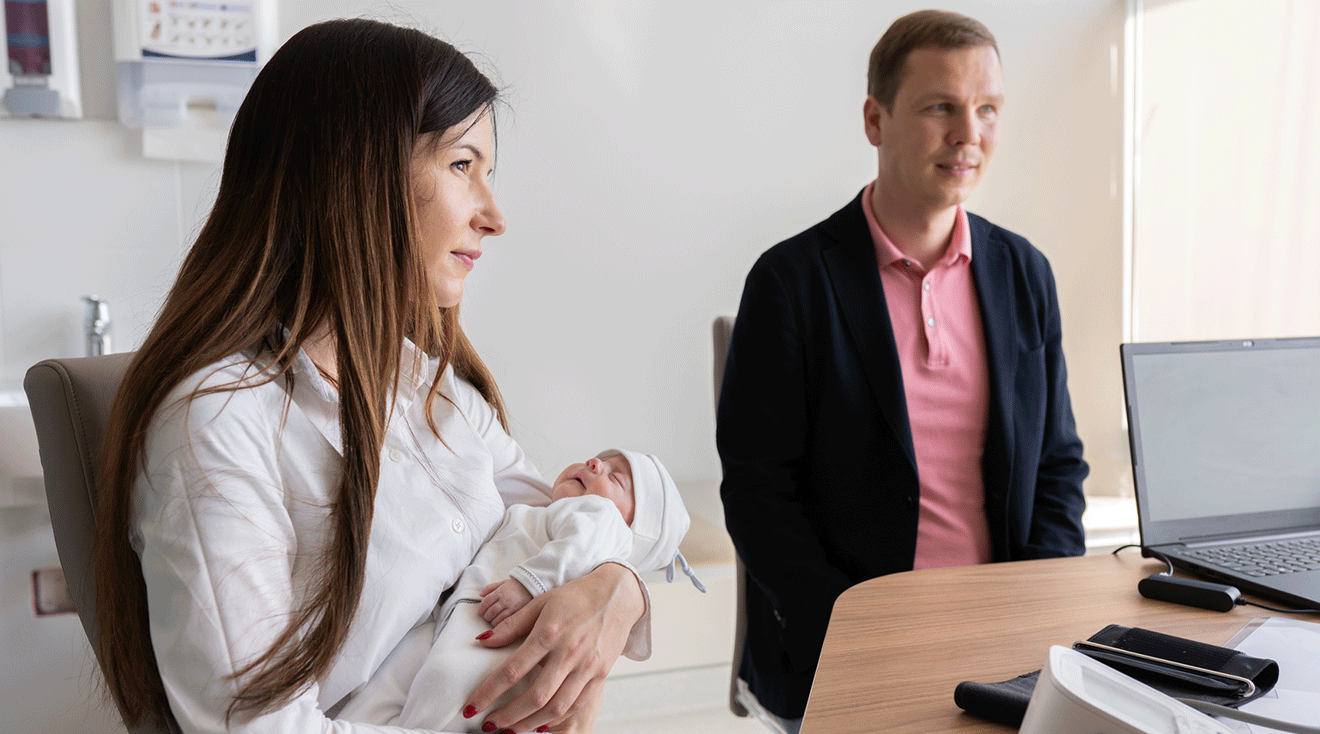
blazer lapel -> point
(855, 279)
(993, 275)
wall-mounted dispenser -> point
(40, 77)
(184, 68)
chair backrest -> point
(722, 332)
(70, 400)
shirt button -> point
(925, 286)
(930, 321)
(396, 456)
(457, 525)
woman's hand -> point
(575, 633)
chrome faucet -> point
(98, 326)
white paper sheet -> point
(1295, 646)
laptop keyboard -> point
(1263, 559)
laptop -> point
(1225, 440)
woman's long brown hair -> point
(310, 233)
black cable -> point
(1244, 602)
(1149, 553)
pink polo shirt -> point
(941, 350)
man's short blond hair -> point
(922, 29)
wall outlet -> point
(50, 592)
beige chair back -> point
(722, 331)
(70, 400)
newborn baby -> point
(617, 506)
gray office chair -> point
(722, 330)
(70, 400)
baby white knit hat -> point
(660, 521)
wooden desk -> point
(898, 645)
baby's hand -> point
(501, 599)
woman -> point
(307, 450)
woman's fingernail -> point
(488, 727)
(485, 635)
(470, 711)
(543, 728)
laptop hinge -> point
(1199, 540)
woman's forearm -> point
(575, 633)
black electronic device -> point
(1192, 592)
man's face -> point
(937, 142)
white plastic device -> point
(1077, 694)
(40, 75)
(185, 64)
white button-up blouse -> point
(231, 515)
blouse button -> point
(457, 525)
(396, 456)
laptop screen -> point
(1225, 436)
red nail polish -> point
(485, 635)
(470, 711)
(543, 728)
(488, 727)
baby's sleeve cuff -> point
(529, 580)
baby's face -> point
(610, 477)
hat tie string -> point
(681, 561)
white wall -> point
(649, 153)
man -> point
(895, 394)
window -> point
(1226, 192)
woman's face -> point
(454, 203)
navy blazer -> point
(820, 478)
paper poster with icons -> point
(210, 31)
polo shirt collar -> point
(887, 253)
